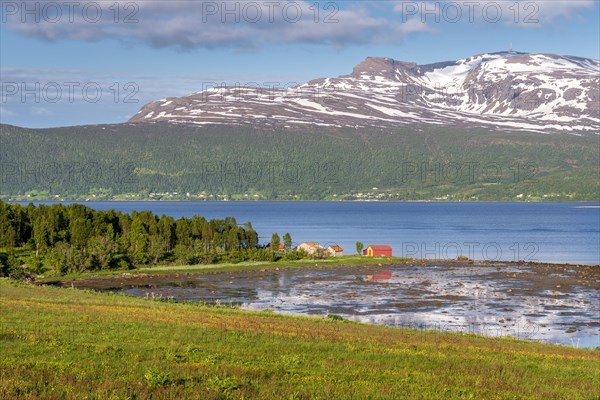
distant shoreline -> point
(301, 201)
(161, 273)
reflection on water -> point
(549, 304)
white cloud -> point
(5, 112)
(550, 10)
(519, 13)
(40, 111)
(250, 24)
(244, 24)
(415, 25)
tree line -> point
(64, 239)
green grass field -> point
(72, 344)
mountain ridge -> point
(502, 90)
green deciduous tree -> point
(103, 250)
(287, 242)
(275, 241)
(138, 243)
(359, 248)
(80, 231)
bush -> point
(10, 267)
(124, 264)
(4, 265)
(155, 377)
(262, 255)
(224, 385)
(36, 264)
(295, 255)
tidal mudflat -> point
(553, 303)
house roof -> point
(311, 244)
(335, 247)
(380, 247)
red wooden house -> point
(378, 250)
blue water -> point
(547, 232)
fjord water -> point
(526, 302)
(546, 232)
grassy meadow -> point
(74, 344)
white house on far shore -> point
(335, 250)
(310, 247)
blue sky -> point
(94, 62)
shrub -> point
(155, 377)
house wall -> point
(377, 253)
(308, 249)
(334, 253)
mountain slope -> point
(155, 160)
(507, 90)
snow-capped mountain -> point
(506, 90)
